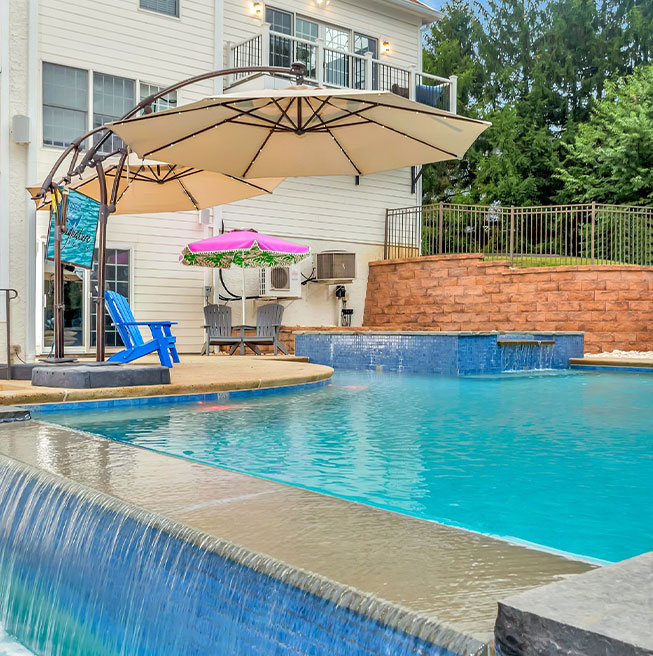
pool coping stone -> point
(606, 612)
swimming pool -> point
(560, 460)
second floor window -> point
(168, 7)
(340, 67)
(65, 104)
(112, 98)
(160, 104)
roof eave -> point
(426, 13)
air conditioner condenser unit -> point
(281, 282)
(335, 267)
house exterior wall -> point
(123, 40)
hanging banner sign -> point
(78, 239)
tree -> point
(451, 46)
(611, 157)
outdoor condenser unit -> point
(335, 267)
(281, 282)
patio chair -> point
(268, 325)
(163, 342)
(217, 324)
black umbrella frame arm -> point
(93, 158)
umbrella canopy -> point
(148, 186)
(301, 131)
(245, 249)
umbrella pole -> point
(243, 294)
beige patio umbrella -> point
(146, 187)
(301, 131)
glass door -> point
(74, 314)
(336, 59)
(117, 280)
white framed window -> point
(167, 7)
(113, 97)
(65, 104)
(69, 111)
(160, 104)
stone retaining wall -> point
(612, 304)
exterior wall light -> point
(322, 3)
(257, 8)
(385, 47)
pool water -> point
(560, 460)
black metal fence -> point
(527, 236)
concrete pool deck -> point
(453, 576)
(195, 374)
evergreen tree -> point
(611, 158)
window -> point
(363, 44)
(112, 98)
(306, 29)
(304, 52)
(280, 48)
(168, 7)
(65, 104)
(280, 21)
(336, 38)
(160, 104)
(336, 69)
(117, 279)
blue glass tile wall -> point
(448, 354)
(80, 576)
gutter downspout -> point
(32, 112)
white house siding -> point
(118, 38)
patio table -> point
(243, 340)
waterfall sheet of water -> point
(84, 573)
(526, 357)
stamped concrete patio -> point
(195, 374)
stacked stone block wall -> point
(612, 304)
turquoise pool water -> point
(560, 460)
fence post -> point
(440, 227)
(385, 241)
(592, 238)
(512, 235)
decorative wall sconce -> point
(385, 47)
(257, 8)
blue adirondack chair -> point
(163, 342)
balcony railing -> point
(327, 67)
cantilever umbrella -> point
(146, 187)
(245, 249)
(301, 131)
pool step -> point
(612, 364)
